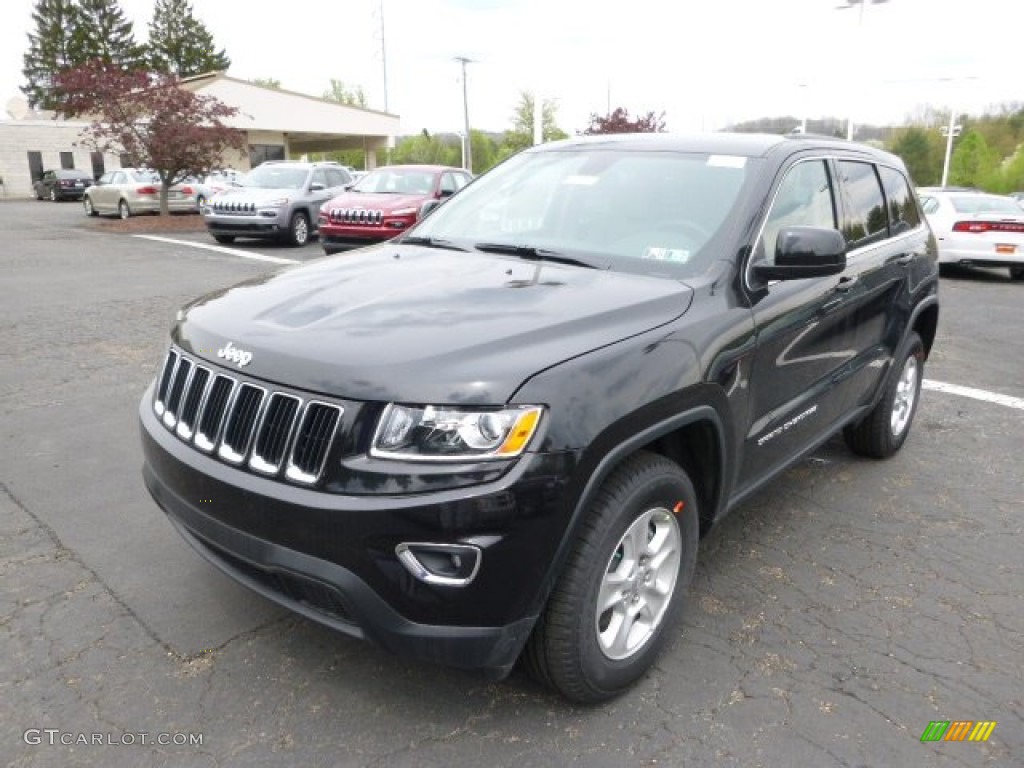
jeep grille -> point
(242, 423)
(355, 216)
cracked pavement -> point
(833, 615)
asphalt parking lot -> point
(833, 616)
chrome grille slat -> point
(312, 441)
(233, 419)
(191, 401)
(275, 430)
(208, 426)
(241, 423)
(166, 376)
(182, 373)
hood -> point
(418, 325)
(255, 195)
(376, 201)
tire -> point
(90, 209)
(123, 210)
(298, 229)
(1017, 273)
(225, 239)
(884, 430)
(590, 655)
(37, 193)
(53, 195)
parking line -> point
(976, 394)
(220, 249)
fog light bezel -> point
(406, 553)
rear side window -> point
(903, 213)
(866, 221)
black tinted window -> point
(866, 221)
(903, 213)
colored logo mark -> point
(958, 730)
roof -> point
(742, 144)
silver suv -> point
(277, 200)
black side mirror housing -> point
(805, 252)
(428, 207)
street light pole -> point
(860, 34)
(467, 156)
(949, 145)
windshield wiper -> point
(532, 253)
(432, 242)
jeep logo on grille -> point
(233, 354)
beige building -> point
(278, 125)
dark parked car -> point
(63, 184)
(384, 203)
(505, 432)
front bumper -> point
(247, 225)
(331, 557)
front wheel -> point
(623, 585)
(123, 210)
(884, 430)
(298, 229)
(1017, 273)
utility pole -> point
(467, 156)
(383, 56)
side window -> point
(338, 177)
(903, 213)
(106, 178)
(461, 180)
(320, 177)
(804, 198)
(866, 221)
(118, 178)
(448, 186)
(929, 204)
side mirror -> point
(316, 186)
(805, 252)
(446, 192)
(429, 207)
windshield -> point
(397, 181)
(275, 177)
(986, 204)
(655, 212)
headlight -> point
(274, 203)
(436, 433)
(404, 212)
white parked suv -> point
(277, 200)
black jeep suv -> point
(503, 434)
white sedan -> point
(975, 228)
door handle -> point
(845, 284)
(905, 259)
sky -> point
(704, 64)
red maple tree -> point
(149, 116)
(619, 121)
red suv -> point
(384, 203)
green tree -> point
(974, 163)
(917, 147)
(520, 136)
(353, 96)
(104, 34)
(424, 148)
(486, 152)
(50, 50)
(1013, 172)
(266, 82)
(180, 44)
